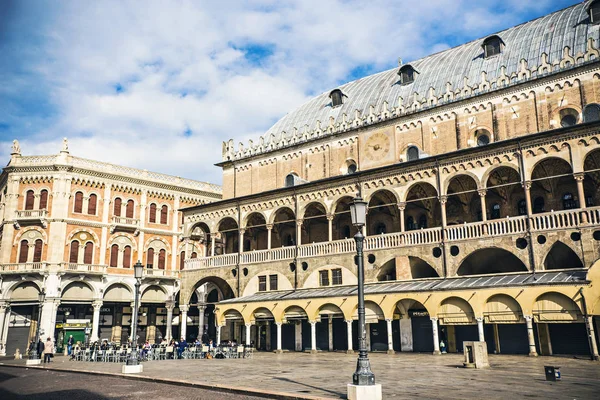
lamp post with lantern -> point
(34, 357)
(133, 365)
(363, 380)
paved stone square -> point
(403, 376)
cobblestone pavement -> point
(34, 384)
(403, 376)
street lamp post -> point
(41, 299)
(138, 270)
(363, 380)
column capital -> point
(348, 321)
(299, 222)
(479, 319)
(201, 307)
(278, 323)
(526, 185)
(330, 217)
(170, 305)
(482, 192)
(388, 320)
(402, 206)
(184, 308)
(433, 319)
(269, 226)
(313, 323)
(579, 176)
(443, 200)
(242, 231)
(97, 304)
(248, 325)
(528, 317)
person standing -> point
(70, 343)
(40, 348)
(48, 350)
(181, 348)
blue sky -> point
(159, 85)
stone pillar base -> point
(350, 352)
(437, 352)
(314, 351)
(533, 354)
(35, 361)
(132, 369)
(278, 351)
(364, 392)
(391, 352)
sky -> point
(159, 85)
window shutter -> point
(152, 213)
(74, 254)
(37, 252)
(23, 251)
(162, 255)
(127, 257)
(182, 260)
(163, 215)
(88, 253)
(92, 204)
(43, 199)
(29, 198)
(129, 209)
(114, 255)
(150, 258)
(117, 207)
(78, 202)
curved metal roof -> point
(549, 34)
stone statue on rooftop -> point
(65, 146)
(16, 148)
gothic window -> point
(351, 169)
(150, 258)
(407, 74)
(43, 199)
(182, 260)
(162, 258)
(37, 251)
(78, 208)
(129, 209)
(496, 211)
(290, 180)
(568, 120)
(593, 9)
(164, 212)
(412, 153)
(492, 46)
(127, 257)
(324, 278)
(483, 137)
(591, 112)
(74, 253)
(152, 218)
(88, 253)
(272, 282)
(29, 199)
(337, 97)
(336, 276)
(92, 202)
(23, 251)
(117, 207)
(522, 207)
(569, 201)
(114, 255)
(538, 205)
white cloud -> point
(183, 66)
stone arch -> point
(23, 291)
(342, 222)
(77, 231)
(315, 226)
(393, 196)
(458, 175)
(199, 225)
(423, 209)
(261, 314)
(556, 307)
(224, 289)
(486, 175)
(24, 235)
(561, 256)
(228, 234)
(490, 260)
(504, 187)
(501, 309)
(259, 215)
(591, 182)
(329, 310)
(293, 312)
(403, 306)
(158, 243)
(230, 314)
(118, 292)
(78, 291)
(373, 312)
(256, 235)
(122, 240)
(463, 201)
(313, 203)
(153, 294)
(383, 215)
(283, 209)
(456, 311)
(284, 227)
(406, 267)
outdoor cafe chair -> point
(204, 351)
(169, 352)
(248, 352)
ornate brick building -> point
(73, 228)
(480, 165)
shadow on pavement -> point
(341, 395)
(56, 395)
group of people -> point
(40, 348)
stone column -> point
(436, 338)
(169, 305)
(330, 332)
(527, 189)
(278, 324)
(530, 336)
(212, 245)
(313, 336)
(248, 328)
(269, 233)
(406, 336)
(349, 332)
(589, 322)
(480, 329)
(4, 309)
(402, 207)
(218, 334)
(299, 231)
(97, 304)
(390, 339)
(580, 192)
(330, 226)
(298, 337)
(443, 201)
(183, 310)
(201, 309)
(241, 241)
(482, 193)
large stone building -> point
(73, 228)
(481, 168)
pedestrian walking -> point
(40, 348)
(48, 350)
(70, 343)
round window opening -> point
(568, 120)
(541, 239)
(483, 140)
(576, 236)
(521, 243)
(454, 250)
(371, 258)
(437, 252)
(596, 235)
(304, 266)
